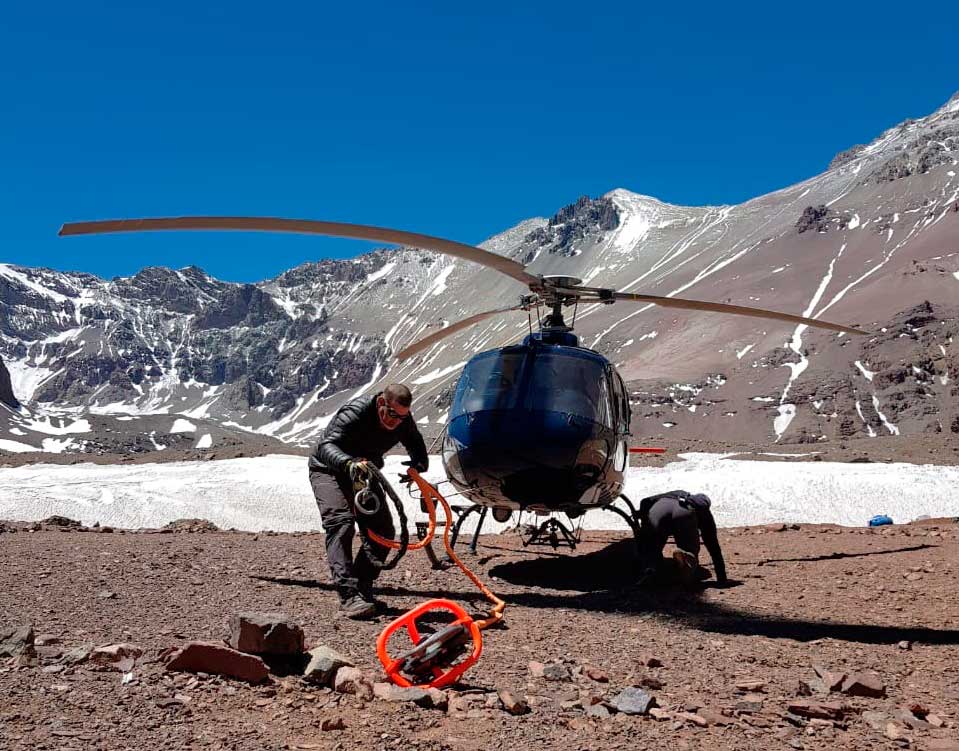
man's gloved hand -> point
(418, 466)
(358, 468)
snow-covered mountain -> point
(873, 241)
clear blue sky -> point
(449, 122)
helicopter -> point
(541, 425)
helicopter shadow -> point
(604, 581)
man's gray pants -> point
(334, 498)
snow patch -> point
(438, 373)
(182, 426)
(868, 374)
(272, 492)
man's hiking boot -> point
(366, 592)
(357, 608)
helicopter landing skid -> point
(554, 533)
(631, 517)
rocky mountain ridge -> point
(864, 243)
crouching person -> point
(686, 517)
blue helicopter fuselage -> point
(540, 425)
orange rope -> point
(430, 494)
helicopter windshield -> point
(488, 383)
(569, 384)
(558, 382)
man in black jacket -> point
(686, 517)
(362, 431)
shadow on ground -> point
(604, 582)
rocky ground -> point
(870, 613)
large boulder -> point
(211, 657)
(265, 634)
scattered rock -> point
(120, 657)
(515, 705)
(864, 684)
(16, 641)
(713, 717)
(61, 521)
(536, 669)
(876, 720)
(660, 714)
(332, 723)
(832, 681)
(106, 595)
(910, 720)
(942, 744)
(595, 674)
(428, 698)
(633, 700)
(351, 680)
(695, 719)
(894, 732)
(935, 720)
(77, 655)
(265, 634)
(750, 685)
(324, 662)
(749, 704)
(556, 671)
(822, 709)
(191, 525)
(213, 657)
(650, 661)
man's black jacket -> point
(355, 432)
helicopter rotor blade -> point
(436, 336)
(740, 310)
(502, 264)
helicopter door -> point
(622, 416)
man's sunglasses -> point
(393, 413)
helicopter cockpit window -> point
(574, 385)
(489, 383)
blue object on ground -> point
(880, 520)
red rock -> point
(536, 669)
(942, 744)
(864, 684)
(265, 634)
(515, 705)
(750, 685)
(595, 674)
(120, 657)
(650, 661)
(212, 657)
